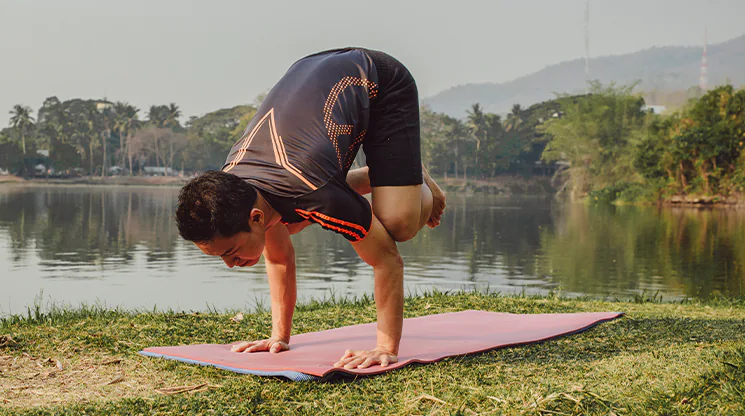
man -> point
(291, 169)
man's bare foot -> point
(438, 199)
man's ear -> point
(257, 217)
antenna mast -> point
(703, 82)
(587, 45)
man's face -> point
(243, 249)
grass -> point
(661, 358)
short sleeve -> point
(337, 207)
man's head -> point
(216, 211)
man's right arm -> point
(279, 255)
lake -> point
(119, 246)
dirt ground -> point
(27, 381)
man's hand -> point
(363, 358)
(273, 345)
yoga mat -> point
(425, 339)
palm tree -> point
(457, 132)
(172, 115)
(108, 120)
(164, 116)
(156, 116)
(126, 123)
(479, 126)
(514, 118)
(22, 121)
(49, 124)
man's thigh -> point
(399, 209)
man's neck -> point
(271, 216)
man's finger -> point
(240, 346)
(343, 361)
(384, 360)
(354, 363)
(368, 362)
(257, 347)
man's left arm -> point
(379, 250)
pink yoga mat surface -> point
(425, 339)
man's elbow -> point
(284, 258)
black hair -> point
(214, 204)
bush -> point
(628, 193)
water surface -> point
(119, 246)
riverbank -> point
(97, 180)
(500, 185)
(10, 179)
(659, 358)
(539, 186)
(706, 200)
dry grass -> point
(71, 377)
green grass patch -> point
(660, 358)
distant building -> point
(104, 105)
(158, 170)
(654, 109)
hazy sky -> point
(206, 55)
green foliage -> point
(596, 136)
(616, 152)
(212, 135)
(90, 136)
(165, 116)
(612, 149)
(484, 145)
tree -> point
(126, 123)
(478, 124)
(514, 118)
(212, 135)
(172, 115)
(108, 121)
(706, 141)
(597, 136)
(157, 115)
(22, 121)
(165, 116)
(458, 132)
(161, 143)
(495, 155)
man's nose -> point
(229, 261)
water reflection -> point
(69, 227)
(120, 246)
(685, 251)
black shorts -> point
(392, 144)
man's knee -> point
(400, 228)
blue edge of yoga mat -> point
(298, 376)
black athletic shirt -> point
(300, 144)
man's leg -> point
(403, 210)
(404, 197)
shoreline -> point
(537, 186)
(156, 181)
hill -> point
(670, 68)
